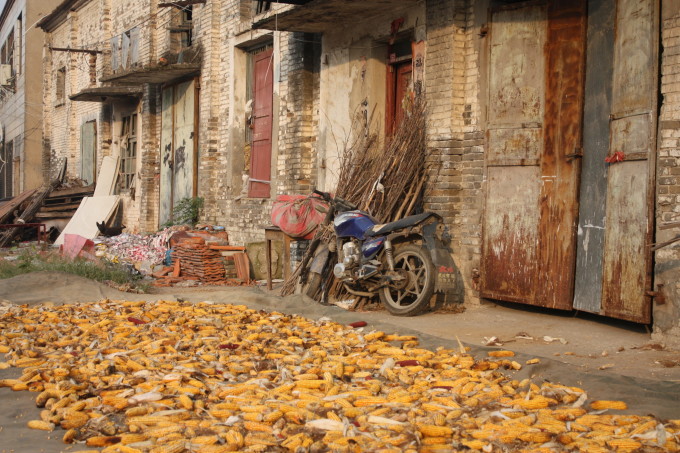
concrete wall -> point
(20, 104)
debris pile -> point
(173, 376)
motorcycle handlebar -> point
(345, 205)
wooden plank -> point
(183, 169)
(593, 190)
(7, 209)
(166, 179)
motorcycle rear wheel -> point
(413, 296)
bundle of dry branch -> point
(386, 180)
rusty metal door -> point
(178, 155)
(534, 130)
(261, 154)
(627, 263)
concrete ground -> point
(609, 359)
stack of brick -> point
(197, 260)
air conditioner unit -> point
(5, 74)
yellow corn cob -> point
(130, 438)
(252, 416)
(164, 431)
(474, 444)
(137, 411)
(75, 420)
(177, 447)
(70, 436)
(40, 424)
(102, 441)
(501, 354)
(205, 440)
(434, 431)
(604, 404)
(256, 426)
(439, 419)
(120, 449)
(234, 438)
(116, 402)
(272, 416)
(372, 401)
(185, 402)
(310, 383)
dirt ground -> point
(609, 359)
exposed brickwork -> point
(667, 271)
(455, 141)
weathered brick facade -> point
(667, 270)
(320, 79)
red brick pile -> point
(197, 260)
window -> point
(128, 152)
(60, 87)
(17, 56)
(6, 157)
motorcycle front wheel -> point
(410, 296)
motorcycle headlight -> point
(339, 270)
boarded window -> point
(128, 151)
(60, 86)
(88, 151)
(115, 52)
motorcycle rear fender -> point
(320, 259)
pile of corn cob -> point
(167, 377)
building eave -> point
(154, 74)
(108, 94)
(318, 16)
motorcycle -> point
(398, 261)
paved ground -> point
(611, 360)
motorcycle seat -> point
(386, 228)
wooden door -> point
(534, 128)
(179, 122)
(88, 151)
(399, 79)
(627, 266)
(261, 151)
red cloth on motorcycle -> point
(299, 215)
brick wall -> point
(454, 137)
(667, 271)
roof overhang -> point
(318, 16)
(154, 74)
(108, 94)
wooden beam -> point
(181, 3)
(68, 49)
